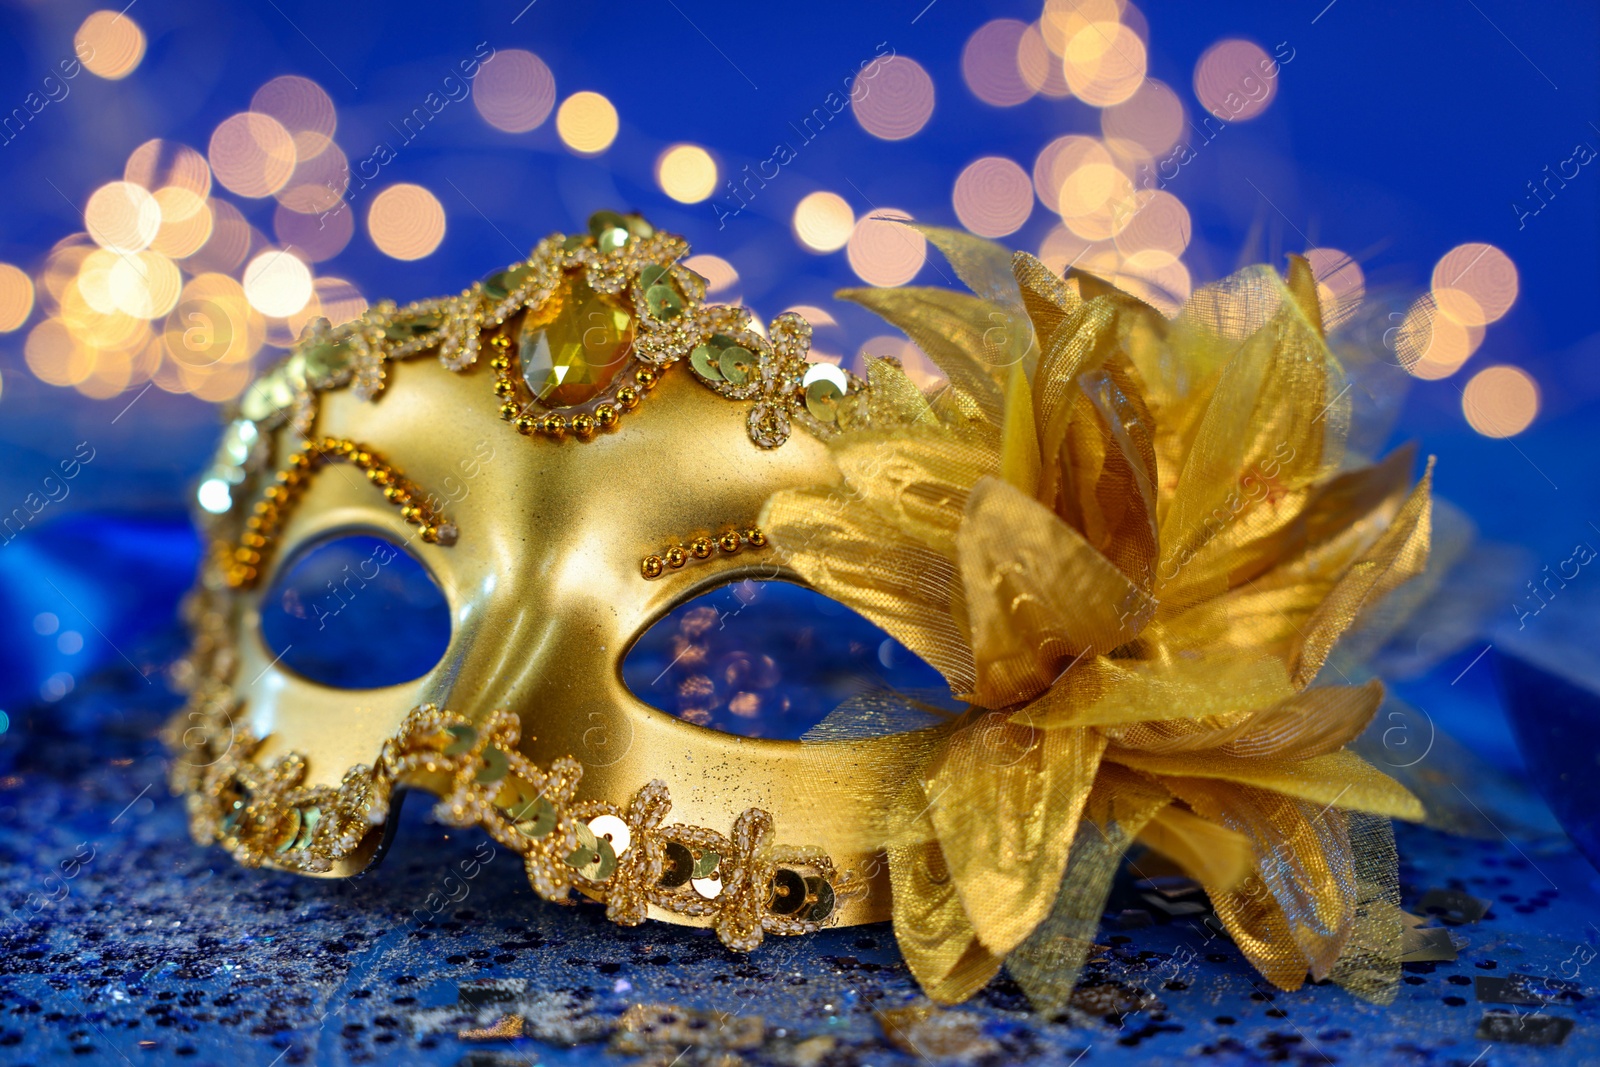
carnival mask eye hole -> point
(355, 612)
(766, 659)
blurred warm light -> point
(144, 284)
(897, 101)
(1157, 277)
(185, 222)
(1157, 222)
(317, 184)
(1500, 401)
(886, 252)
(515, 91)
(1475, 284)
(62, 263)
(122, 217)
(219, 383)
(56, 357)
(1151, 119)
(1231, 80)
(1039, 67)
(993, 196)
(277, 283)
(587, 123)
(302, 107)
(918, 367)
(340, 300)
(823, 222)
(1433, 346)
(406, 221)
(819, 318)
(314, 238)
(110, 44)
(686, 172)
(718, 272)
(212, 324)
(989, 63)
(1061, 20)
(1104, 63)
(16, 297)
(229, 243)
(1062, 249)
(1341, 286)
(252, 154)
(93, 283)
(159, 163)
(1059, 159)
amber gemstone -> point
(574, 345)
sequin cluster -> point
(626, 857)
(622, 257)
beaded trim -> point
(241, 564)
(675, 556)
(624, 857)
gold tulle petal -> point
(1004, 800)
(845, 551)
(1213, 855)
(1038, 596)
(1340, 779)
(1313, 722)
(940, 946)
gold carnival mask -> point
(1130, 543)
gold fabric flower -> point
(1130, 544)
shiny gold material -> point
(676, 556)
(1132, 544)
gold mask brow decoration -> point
(243, 562)
(654, 566)
(627, 857)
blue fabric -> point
(123, 941)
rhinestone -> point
(787, 892)
(612, 829)
(573, 347)
(677, 865)
(448, 532)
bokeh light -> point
(185, 222)
(896, 101)
(719, 274)
(1431, 346)
(1157, 222)
(1039, 67)
(339, 299)
(1500, 401)
(885, 252)
(1341, 286)
(229, 243)
(317, 184)
(687, 173)
(406, 221)
(277, 283)
(122, 217)
(252, 155)
(315, 238)
(515, 92)
(993, 196)
(110, 44)
(587, 123)
(16, 297)
(1235, 80)
(157, 163)
(302, 107)
(1146, 124)
(823, 222)
(144, 285)
(989, 63)
(1104, 63)
(1475, 284)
